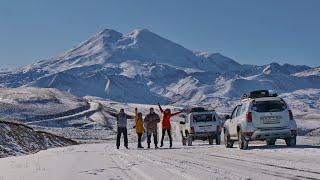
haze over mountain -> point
(143, 67)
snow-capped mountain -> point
(143, 67)
(309, 72)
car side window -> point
(186, 119)
(239, 109)
(243, 108)
(234, 112)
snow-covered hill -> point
(49, 107)
(28, 104)
(143, 67)
(18, 139)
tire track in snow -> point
(124, 168)
(268, 164)
(192, 164)
(148, 165)
(166, 164)
(275, 166)
(187, 168)
(253, 166)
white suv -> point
(261, 115)
(200, 124)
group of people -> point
(148, 125)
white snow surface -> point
(103, 161)
(99, 159)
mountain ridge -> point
(143, 67)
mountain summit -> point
(143, 67)
(110, 46)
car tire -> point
(210, 140)
(189, 139)
(227, 141)
(218, 139)
(243, 143)
(271, 142)
(291, 141)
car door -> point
(186, 125)
(233, 122)
(238, 118)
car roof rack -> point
(259, 94)
(197, 109)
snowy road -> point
(103, 161)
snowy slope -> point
(51, 108)
(309, 72)
(28, 104)
(18, 139)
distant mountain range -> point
(143, 67)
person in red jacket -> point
(166, 123)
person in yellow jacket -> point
(139, 126)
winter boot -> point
(148, 145)
(161, 144)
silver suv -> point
(200, 124)
(261, 115)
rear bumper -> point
(202, 135)
(271, 134)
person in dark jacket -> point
(122, 128)
(166, 123)
(151, 121)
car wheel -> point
(218, 139)
(271, 142)
(291, 141)
(243, 143)
(227, 141)
(211, 140)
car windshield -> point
(269, 106)
(202, 118)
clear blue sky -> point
(256, 32)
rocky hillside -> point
(19, 139)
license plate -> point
(271, 119)
(204, 128)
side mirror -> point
(182, 122)
(227, 117)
